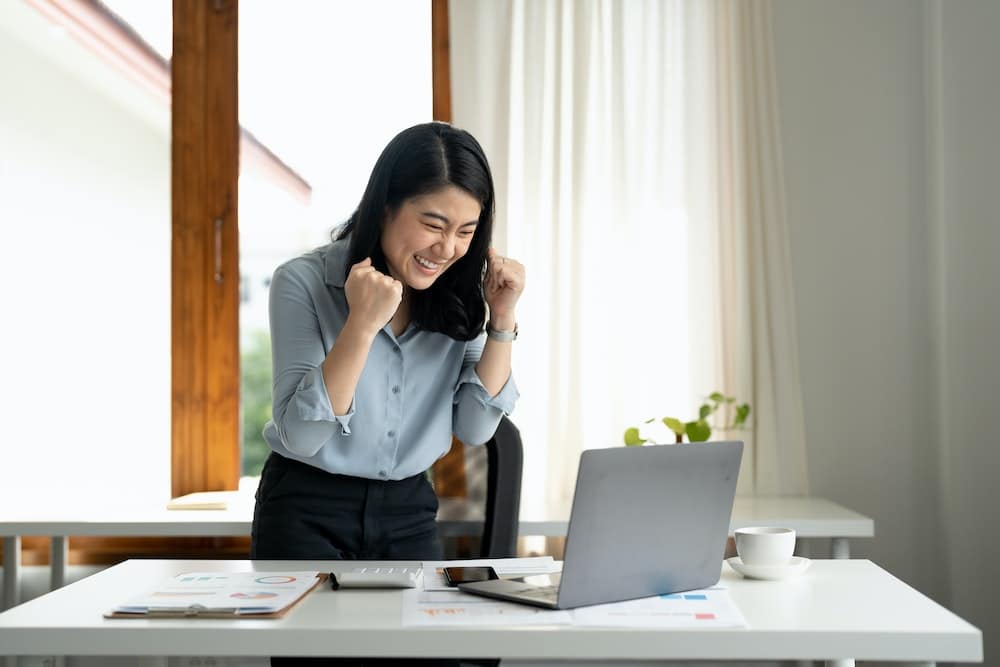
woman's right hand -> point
(372, 296)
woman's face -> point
(428, 234)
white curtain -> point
(641, 188)
(759, 342)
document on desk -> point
(441, 608)
(505, 567)
(256, 594)
(709, 608)
(703, 609)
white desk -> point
(810, 517)
(839, 609)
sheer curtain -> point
(623, 187)
(745, 179)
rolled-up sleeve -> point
(476, 413)
(313, 403)
(303, 416)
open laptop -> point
(645, 521)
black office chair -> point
(505, 460)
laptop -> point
(645, 521)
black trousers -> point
(304, 513)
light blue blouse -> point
(414, 392)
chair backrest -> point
(505, 458)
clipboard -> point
(245, 595)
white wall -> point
(894, 262)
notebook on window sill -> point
(202, 500)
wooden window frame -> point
(205, 378)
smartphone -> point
(461, 575)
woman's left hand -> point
(502, 286)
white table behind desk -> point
(810, 517)
(839, 609)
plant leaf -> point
(717, 397)
(705, 411)
(675, 425)
(742, 412)
(698, 431)
(632, 438)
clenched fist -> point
(502, 287)
(372, 296)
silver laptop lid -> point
(648, 520)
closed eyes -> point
(465, 232)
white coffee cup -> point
(765, 545)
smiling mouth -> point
(426, 263)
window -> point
(90, 121)
(85, 257)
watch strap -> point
(501, 336)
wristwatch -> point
(501, 336)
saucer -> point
(794, 568)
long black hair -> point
(421, 160)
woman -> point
(379, 357)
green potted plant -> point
(734, 417)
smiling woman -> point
(368, 300)
(421, 240)
(431, 196)
(380, 357)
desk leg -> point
(59, 551)
(840, 547)
(11, 571)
